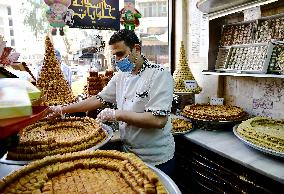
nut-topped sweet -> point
(51, 137)
(264, 132)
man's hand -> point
(54, 111)
(107, 115)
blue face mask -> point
(125, 65)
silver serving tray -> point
(257, 147)
(170, 185)
(106, 128)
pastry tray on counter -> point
(257, 147)
(106, 128)
(212, 125)
(183, 118)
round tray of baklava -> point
(261, 141)
(107, 130)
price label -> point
(190, 84)
(216, 101)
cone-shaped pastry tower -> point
(51, 79)
(183, 73)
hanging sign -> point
(98, 14)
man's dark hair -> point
(128, 36)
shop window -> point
(154, 31)
(10, 22)
(1, 21)
(12, 42)
(9, 10)
(1, 31)
(11, 32)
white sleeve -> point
(108, 94)
(161, 94)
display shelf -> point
(242, 74)
(218, 8)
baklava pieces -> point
(51, 79)
(180, 125)
(100, 171)
(51, 137)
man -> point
(143, 93)
(64, 68)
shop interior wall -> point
(187, 29)
(258, 96)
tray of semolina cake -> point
(58, 136)
(263, 134)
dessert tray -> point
(107, 129)
(210, 125)
(257, 147)
(263, 134)
(103, 171)
(181, 125)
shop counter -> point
(217, 161)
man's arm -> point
(83, 106)
(143, 120)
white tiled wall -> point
(258, 96)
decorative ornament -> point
(58, 14)
(183, 78)
(129, 16)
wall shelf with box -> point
(252, 47)
(205, 72)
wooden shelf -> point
(242, 74)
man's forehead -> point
(118, 46)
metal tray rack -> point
(257, 147)
(106, 128)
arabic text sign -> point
(99, 14)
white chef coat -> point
(151, 90)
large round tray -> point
(170, 185)
(211, 125)
(106, 128)
(257, 147)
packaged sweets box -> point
(15, 97)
